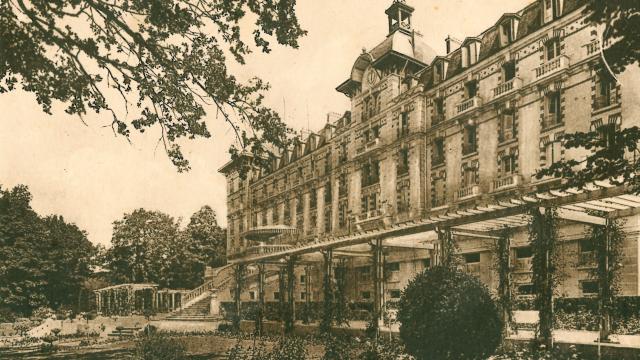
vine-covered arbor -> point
(596, 206)
(128, 299)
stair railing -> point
(220, 278)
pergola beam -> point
(581, 217)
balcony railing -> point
(507, 87)
(552, 66)
(523, 265)
(551, 120)
(601, 102)
(593, 47)
(368, 146)
(468, 192)
(506, 182)
(440, 201)
(468, 105)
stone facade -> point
(430, 134)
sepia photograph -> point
(327, 180)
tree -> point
(43, 262)
(141, 244)
(621, 20)
(610, 148)
(208, 240)
(170, 56)
(448, 314)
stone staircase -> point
(197, 302)
(197, 311)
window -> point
(471, 89)
(509, 70)
(525, 289)
(394, 266)
(303, 278)
(313, 199)
(252, 295)
(342, 153)
(587, 245)
(327, 219)
(403, 161)
(606, 91)
(553, 110)
(552, 153)
(469, 144)
(438, 106)
(394, 294)
(342, 185)
(366, 295)
(370, 173)
(403, 195)
(439, 197)
(276, 296)
(589, 287)
(507, 33)
(369, 203)
(364, 273)
(299, 205)
(607, 133)
(472, 258)
(507, 125)
(276, 214)
(342, 213)
(426, 263)
(508, 164)
(552, 49)
(438, 71)
(524, 252)
(403, 129)
(287, 213)
(437, 157)
(303, 295)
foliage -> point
(170, 56)
(443, 308)
(545, 266)
(622, 21)
(159, 347)
(149, 246)
(289, 348)
(22, 327)
(582, 314)
(383, 350)
(336, 348)
(327, 291)
(448, 248)
(239, 272)
(44, 260)
(340, 304)
(541, 352)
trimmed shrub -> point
(159, 347)
(383, 350)
(336, 348)
(447, 314)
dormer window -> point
(552, 10)
(470, 51)
(506, 28)
(438, 71)
(507, 32)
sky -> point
(85, 173)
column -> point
(378, 282)
(291, 303)
(260, 315)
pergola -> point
(576, 205)
(126, 299)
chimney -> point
(448, 42)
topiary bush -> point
(447, 314)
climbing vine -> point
(545, 263)
(448, 248)
(289, 308)
(502, 265)
(607, 241)
(341, 309)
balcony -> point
(468, 105)
(602, 102)
(507, 88)
(506, 182)
(552, 66)
(551, 121)
(468, 192)
(368, 146)
(439, 202)
(523, 265)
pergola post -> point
(446, 247)
(605, 298)
(291, 302)
(260, 315)
(504, 278)
(307, 294)
(239, 274)
(378, 284)
(327, 291)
